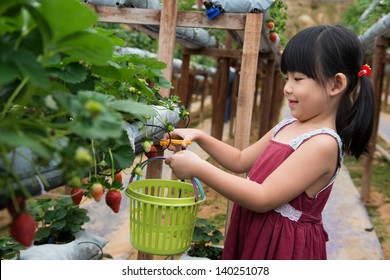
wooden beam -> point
(228, 21)
(247, 86)
(220, 53)
(167, 39)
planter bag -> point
(143, 4)
(240, 6)
(86, 246)
(155, 128)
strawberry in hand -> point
(152, 153)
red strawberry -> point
(152, 153)
(113, 200)
(271, 25)
(273, 37)
(77, 194)
(11, 206)
(118, 177)
(97, 191)
(22, 229)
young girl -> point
(277, 208)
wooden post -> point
(266, 97)
(234, 102)
(377, 80)
(167, 39)
(277, 100)
(183, 92)
(250, 56)
(219, 106)
(166, 47)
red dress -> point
(293, 231)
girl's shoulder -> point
(296, 142)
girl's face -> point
(306, 97)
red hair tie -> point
(366, 70)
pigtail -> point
(355, 119)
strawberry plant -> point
(204, 236)
(57, 219)
(65, 94)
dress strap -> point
(282, 124)
(302, 138)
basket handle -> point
(195, 182)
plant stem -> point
(13, 97)
(112, 163)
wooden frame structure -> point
(168, 18)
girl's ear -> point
(339, 84)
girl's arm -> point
(226, 155)
(308, 169)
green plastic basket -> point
(162, 215)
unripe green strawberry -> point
(146, 145)
(93, 107)
(137, 170)
(83, 157)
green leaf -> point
(60, 213)
(132, 107)
(58, 225)
(14, 139)
(8, 72)
(73, 73)
(27, 63)
(123, 157)
(67, 17)
(88, 46)
(42, 233)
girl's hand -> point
(183, 164)
(182, 134)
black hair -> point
(320, 52)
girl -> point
(277, 209)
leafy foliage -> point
(364, 13)
(9, 249)
(204, 235)
(64, 86)
(58, 220)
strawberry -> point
(152, 153)
(137, 170)
(22, 229)
(271, 25)
(273, 37)
(14, 211)
(118, 177)
(113, 200)
(97, 191)
(77, 194)
(146, 145)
